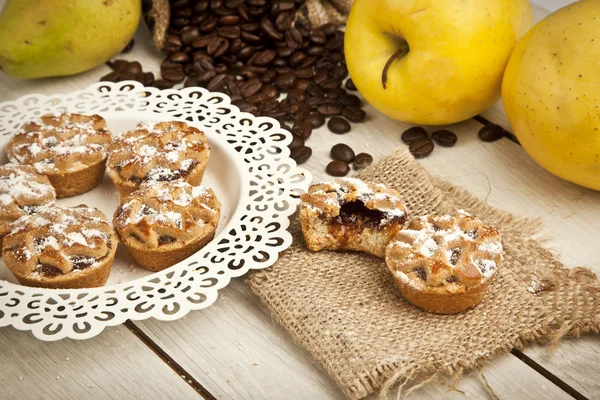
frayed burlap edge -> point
(157, 14)
(578, 287)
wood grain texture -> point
(114, 365)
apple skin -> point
(551, 93)
(458, 52)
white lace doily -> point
(252, 239)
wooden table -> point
(234, 349)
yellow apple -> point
(444, 58)
(551, 93)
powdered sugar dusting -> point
(17, 183)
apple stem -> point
(402, 51)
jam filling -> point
(165, 240)
(357, 214)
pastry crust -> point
(349, 214)
(22, 191)
(160, 152)
(163, 223)
(70, 149)
(61, 247)
(444, 264)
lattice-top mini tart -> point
(22, 191)
(160, 152)
(61, 247)
(349, 214)
(163, 223)
(70, 149)
(444, 264)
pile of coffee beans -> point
(491, 133)
(343, 156)
(251, 51)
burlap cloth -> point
(310, 13)
(344, 309)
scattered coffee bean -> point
(354, 114)
(444, 138)
(362, 160)
(414, 133)
(111, 77)
(350, 84)
(129, 47)
(342, 152)
(301, 154)
(337, 168)
(491, 133)
(296, 142)
(350, 100)
(329, 109)
(338, 125)
(316, 119)
(163, 84)
(421, 148)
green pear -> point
(63, 37)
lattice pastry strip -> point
(59, 240)
(436, 251)
(60, 143)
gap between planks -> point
(202, 391)
(167, 359)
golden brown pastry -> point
(163, 223)
(444, 264)
(61, 247)
(70, 149)
(160, 152)
(349, 214)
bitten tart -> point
(444, 264)
(160, 152)
(349, 214)
(70, 149)
(163, 223)
(22, 191)
(61, 247)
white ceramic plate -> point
(249, 169)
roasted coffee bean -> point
(330, 109)
(335, 93)
(297, 142)
(230, 4)
(354, 114)
(190, 82)
(132, 68)
(250, 38)
(252, 27)
(296, 59)
(320, 76)
(189, 33)
(302, 84)
(350, 84)
(350, 100)
(315, 90)
(330, 83)
(284, 21)
(286, 5)
(205, 77)
(250, 88)
(148, 78)
(111, 77)
(315, 119)
(179, 57)
(201, 42)
(491, 133)
(329, 29)
(308, 62)
(216, 81)
(217, 46)
(303, 73)
(301, 154)
(271, 91)
(338, 125)
(174, 41)
(286, 81)
(257, 11)
(293, 38)
(269, 76)
(269, 106)
(216, 4)
(342, 152)
(246, 52)
(258, 98)
(207, 26)
(257, 70)
(337, 168)
(270, 31)
(128, 48)
(174, 75)
(242, 11)
(315, 50)
(279, 62)
(317, 36)
(125, 76)
(262, 58)
(235, 46)
(421, 148)
(167, 64)
(414, 133)
(339, 72)
(444, 137)
(362, 160)
(284, 52)
(163, 84)
(302, 129)
(334, 44)
(229, 32)
(118, 65)
(229, 20)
